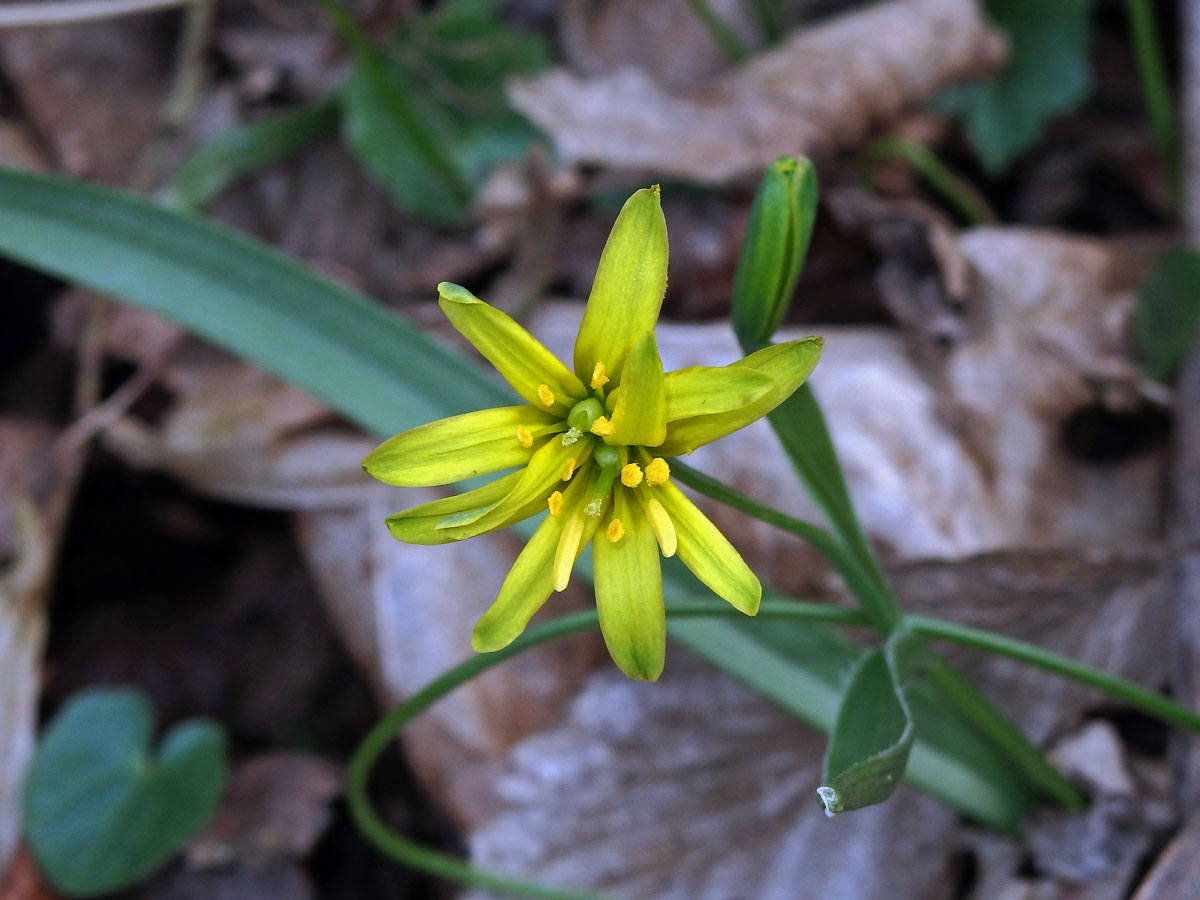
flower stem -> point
(400, 848)
(731, 45)
(954, 189)
(875, 593)
(403, 850)
(1147, 47)
(1135, 695)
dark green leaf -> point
(101, 810)
(1048, 73)
(802, 668)
(398, 136)
(234, 154)
(429, 119)
(870, 742)
(1167, 317)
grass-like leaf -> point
(238, 152)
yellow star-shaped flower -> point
(590, 445)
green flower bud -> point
(773, 250)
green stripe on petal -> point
(787, 365)
(628, 289)
(459, 447)
(515, 353)
(640, 412)
(629, 596)
(531, 579)
(703, 549)
(528, 496)
(705, 390)
(418, 524)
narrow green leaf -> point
(103, 812)
(871, 740)
(343, 348)
(239, 152)
(801, 669)
(395, 135)
(1167, 316)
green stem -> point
(1135, 695)
(956, 191)
(996, 727)
(857, 578)
(875, 594)
(1152, 71)
(731, 45)
(769, 17)
(410, 853)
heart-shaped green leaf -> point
(101, 810)
(869, 747)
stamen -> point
(631, 475)
(662, 526)
(545, 395)
(555, 502)
(569, 469)
(602, 427)
(657, 471)
(567, 551)
(615, 531)
(571, 436)
(524, 438)
(599, 379)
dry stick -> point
(65, 12)
(1183, 514)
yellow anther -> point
(524, 438)
(631, 475)
(615, 531)
(555, 502)
(657, 471)
(599, 379)
(545, 395)
(567, 551)
(602, 427)
(662, 526)
(569, 469)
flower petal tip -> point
(483, 642)
(638, 671)
(456, 293)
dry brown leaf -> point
(696, 788)
(92, 90)
(665, 39)
(406, 612)
(23, 881)
(26, 567)
(18, 149)
(641, 790)
(276, 806)
(238, 433)
(1106, 607)
(1174, 875)
(826, 88)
